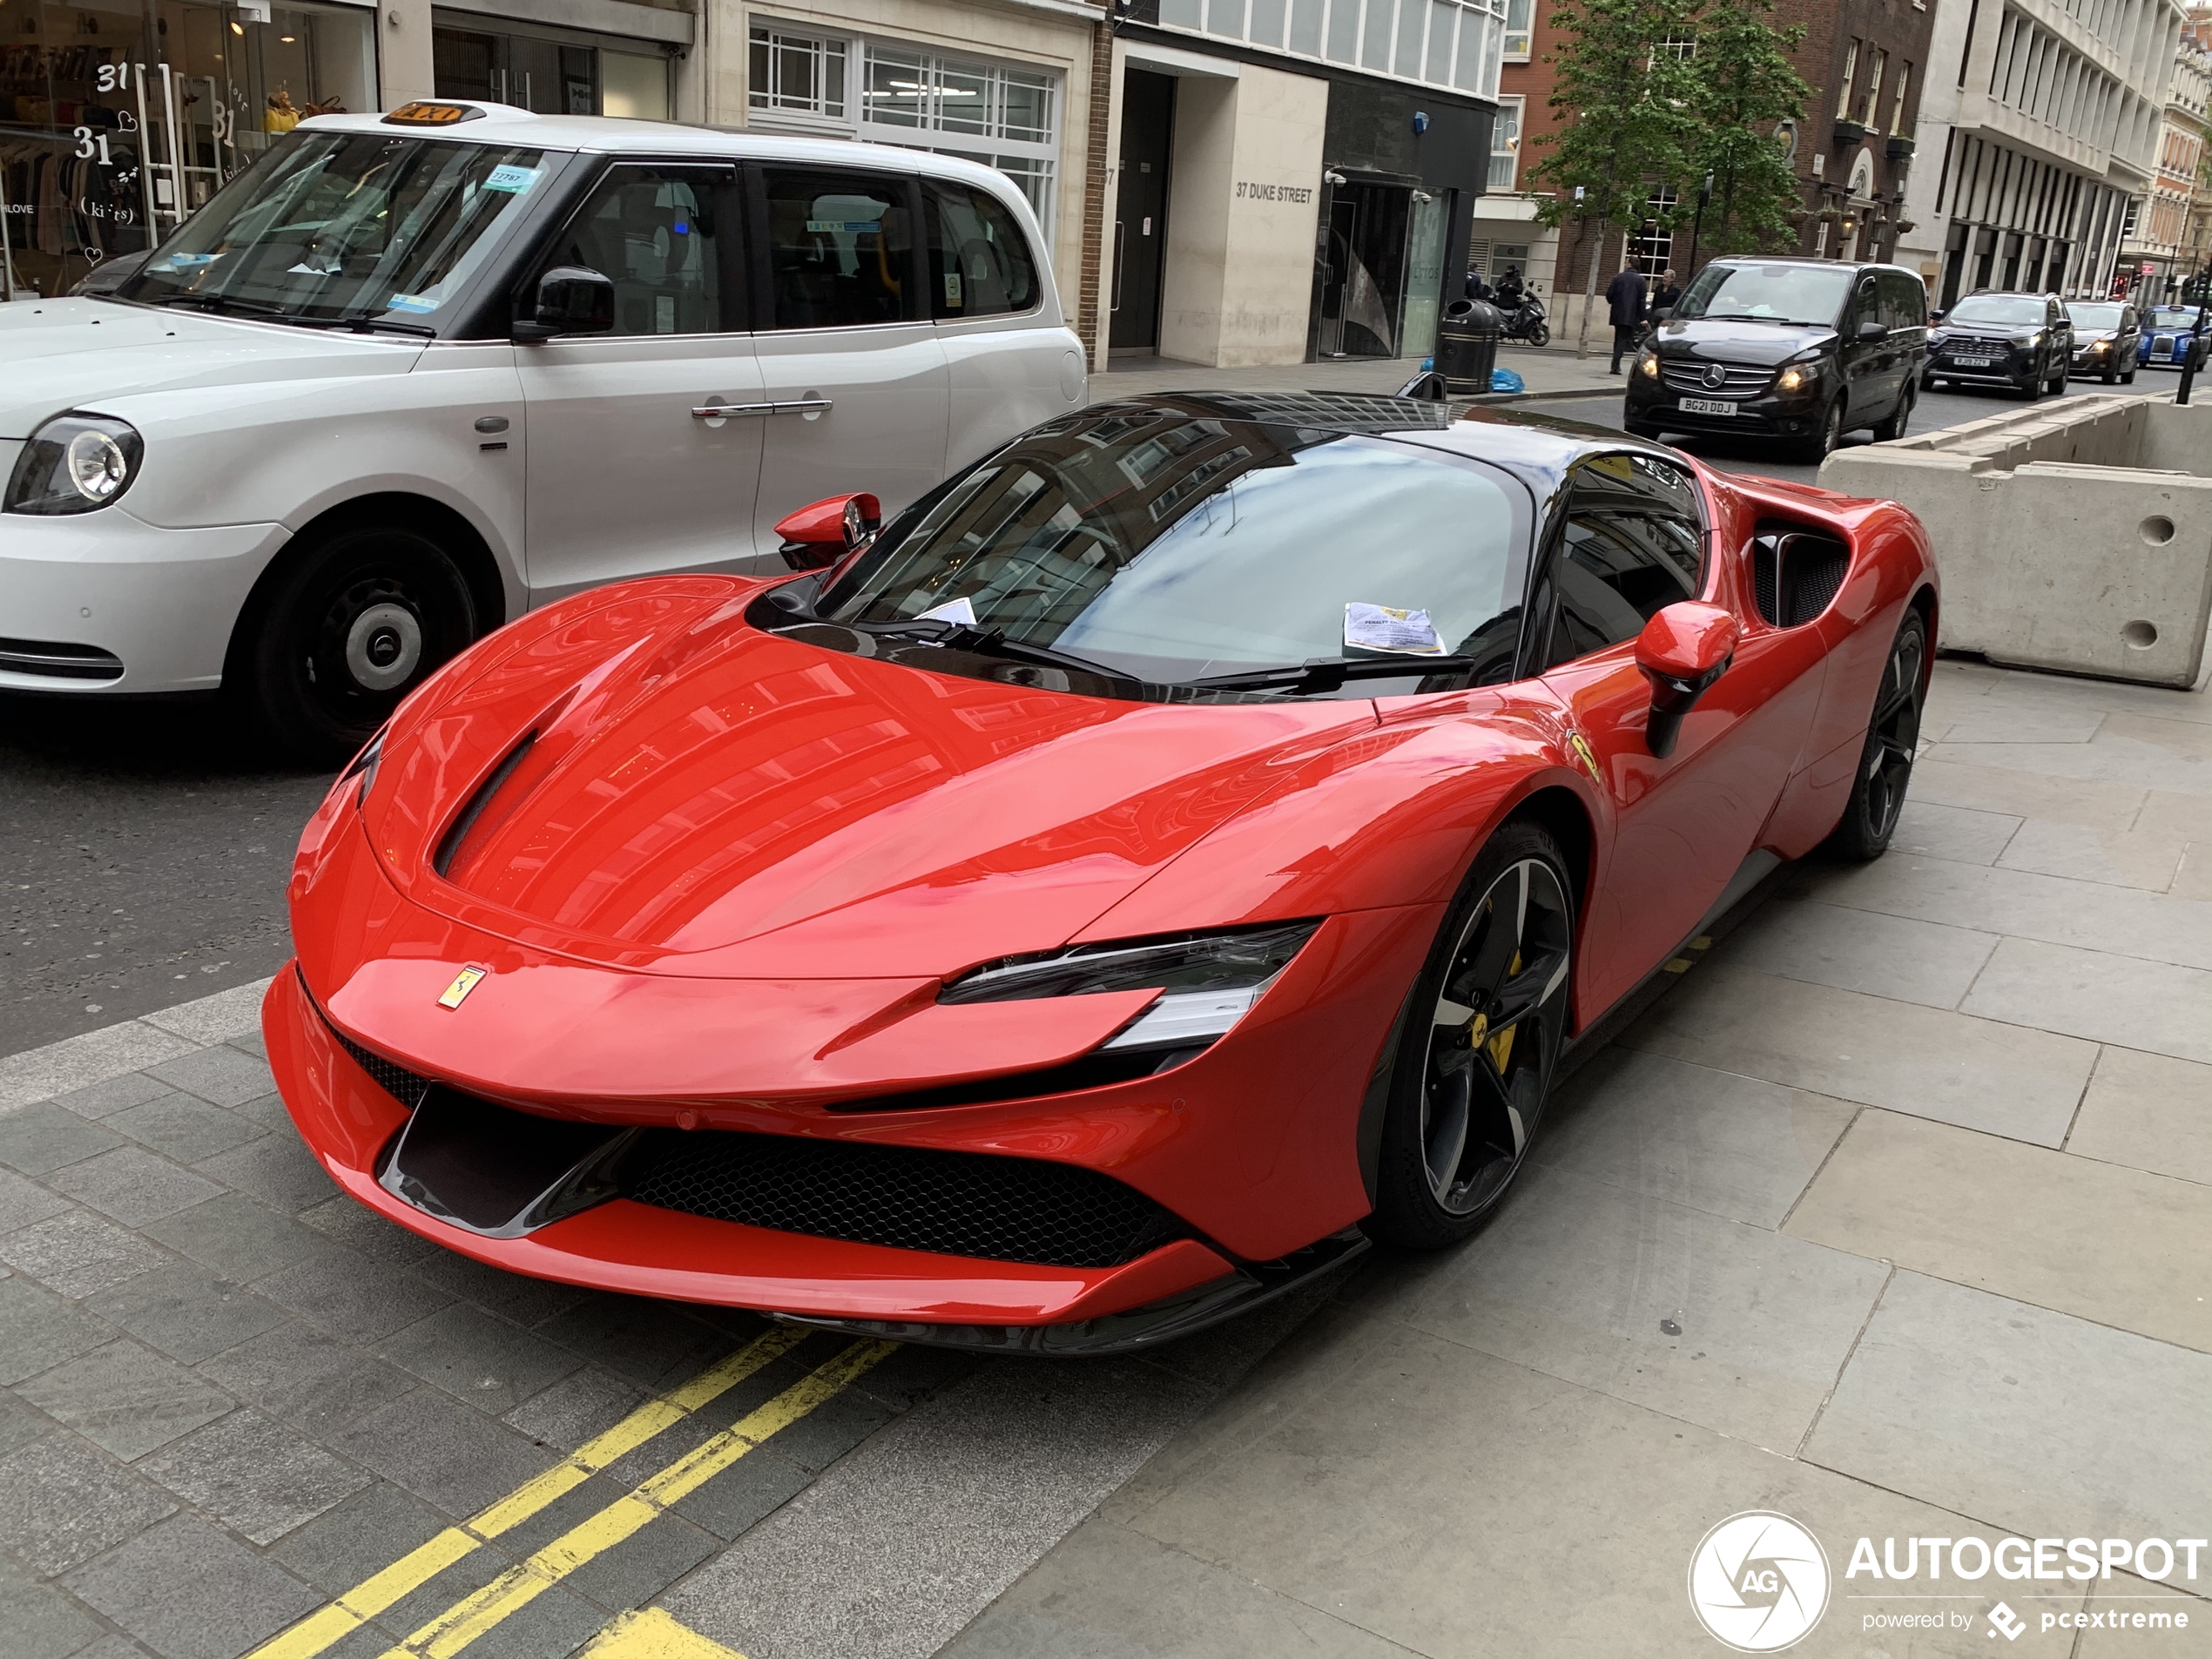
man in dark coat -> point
(1625, 296)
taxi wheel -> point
(1479, 1045)
(354, 624)
(1892, 738)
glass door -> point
(1425, 234)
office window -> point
(1003, 116)
(1897, 109)
(1518, 16)
(801, 73)
(1652, 248)
(1843, 87)
(1505, 144)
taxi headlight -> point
(75, 463)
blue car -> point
(2167, 331)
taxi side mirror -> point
(821, 533)
(1682, 652)
(571, 299)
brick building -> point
(1852, 149)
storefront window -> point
(119, 117)
(552, 73)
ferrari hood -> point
(683, 793)
(75, 353)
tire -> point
(1539, 333)
(1885, 762)
(355, 621)
(2056, 386)
(1459, 1117)
(1927, 382)
(2033, 391)
(1823, 442)
(2128, 379)
(1893, 429)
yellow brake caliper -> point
(1500, 1046)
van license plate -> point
(1707, 406)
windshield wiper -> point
(222, 303)
(985, 642)
(360, 325)
(1326, 673)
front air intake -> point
(954, 1204)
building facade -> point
(2159, 252)
(2040, 138)
(1291, 180)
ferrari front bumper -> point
(673, 1244)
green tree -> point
(1745, 84)
(1628, 92)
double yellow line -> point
(478, 1612)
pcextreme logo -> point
(1759, 1582)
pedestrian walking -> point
(1625, 296)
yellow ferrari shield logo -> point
(463, 982)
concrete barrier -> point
(2073, 536)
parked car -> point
(2023, 341)
(2107, 339)
(408, 377)
(1804, 350)
(2166, 333)
(1172, 853)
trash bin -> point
(1467, 347)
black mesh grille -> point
(956, 1204)
(395, 1079)
(1796, 573)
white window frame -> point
(1454, 44)
(769, 100)
(1508, 152)
(1031, 165)
(1520, 18)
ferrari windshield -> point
(1171, 545)
(333, 226)
(1806, 294)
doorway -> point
(1140, 222)
(1363, 271)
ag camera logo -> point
(1759, 1582)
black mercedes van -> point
(1802, 350)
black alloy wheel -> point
(1480, 1042)
(2056, 386)
(354, 624)
(1893, 735)
(2032, 391)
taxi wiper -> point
(221, 303)
(985, 642)
(1326, 673)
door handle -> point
(802, 406)
(723, 411)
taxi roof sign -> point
(423, 114)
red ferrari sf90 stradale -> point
(1172, 853)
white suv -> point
(412, 375)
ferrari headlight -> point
(1208, 981)
(363, 766)
(74, 463)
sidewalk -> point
(1551, 371)
(1892, 1216)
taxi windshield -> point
(338, 227)
(1178, 546)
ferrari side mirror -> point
(818, 535)
(1681, 650)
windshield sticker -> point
(837, 227)
(952, 610)
(513, 180)
(187, 261)
(1384, 628)
(412, 302)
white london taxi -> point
(412, 375)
